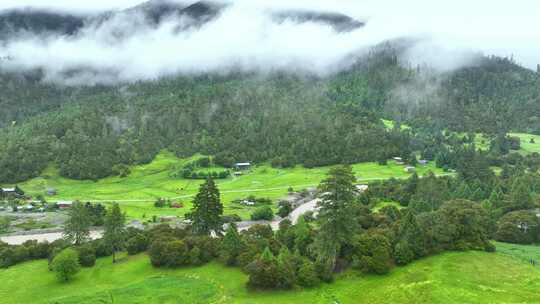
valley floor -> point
(138, 191)
(453, 277)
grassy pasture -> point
(526, 146)
(453, 277)
(137, 192)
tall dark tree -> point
(410, 239)
(231, 246)
(520, 196)
(207, 209)
(114, 235)
(77, 226)
(337, 226)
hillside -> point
(282, 119)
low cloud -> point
(246, 37)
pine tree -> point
(410, 232)
(286, 268)
(337, 226)
(77, 227)
(520, 196)
(412, 160)
(231, 246)
(307, 275)
(496, 197)
(114, 235)
(207, 209)
(463, 191)
(302, 236)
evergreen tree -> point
(263, 272)
(412, 160)
(307, 274)
(302, 236)
(410, 233)
(114, 235)
(463, 191)
(231, 246)
(337, 226)
(207, 209)
(520, 196)
(286, 268)
(77, 226)
(496, 198)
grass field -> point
(526, 146)
(137, 192)
(454, 277)
(525, 253)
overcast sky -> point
(244, 36)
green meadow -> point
(528, 147)
(137, 192)
(452, 277)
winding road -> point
(95, 234)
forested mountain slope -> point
(283, 118)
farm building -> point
(14, 191)
(410, 169)
(64, 204)
(242, 166)
(361, 188)
(398, 160)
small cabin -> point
(361, 188)
(51, 191)
(167, 218)
(14, 191)
(247, 203)
(423, 162)
(398, 160)
(410, 169)
(64, 204)
(177, 205)
(242, 166)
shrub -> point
(87, 255)
(519, 227)
(160, 203)
(66, 264)
(4, 224)
(262, 213)
(136, 244)
(102, 249)
(307, 276)
(490, 247)
(373, 253)
(21, 254)
(168, 253)
(285, 208)
(195, 256)
(37, 250)
(7, 257)
(264, 272)
(403, 254)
